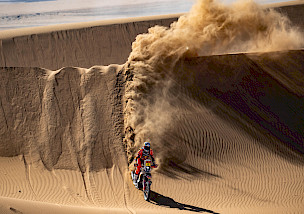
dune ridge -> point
(72, 44)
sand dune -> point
(227, 129)
(223, 154)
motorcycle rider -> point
(144, 153)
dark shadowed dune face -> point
(262, 88)
(256, 92)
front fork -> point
(146, 181)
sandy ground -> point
(233, 142)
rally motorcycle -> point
(144, 179)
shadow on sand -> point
(161, 200)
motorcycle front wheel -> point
(146, 190)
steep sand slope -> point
(234, 146)
(59, 114)
(68, 120)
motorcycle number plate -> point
(148, 164)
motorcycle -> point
(144, 180)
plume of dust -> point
(209, 28)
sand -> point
(226, 129)
(78, 45)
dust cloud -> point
(209, 28)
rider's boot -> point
(135, 179)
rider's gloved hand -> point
(154, 165)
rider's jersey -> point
(143, 155)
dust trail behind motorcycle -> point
(210, 28)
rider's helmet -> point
(147, 146)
